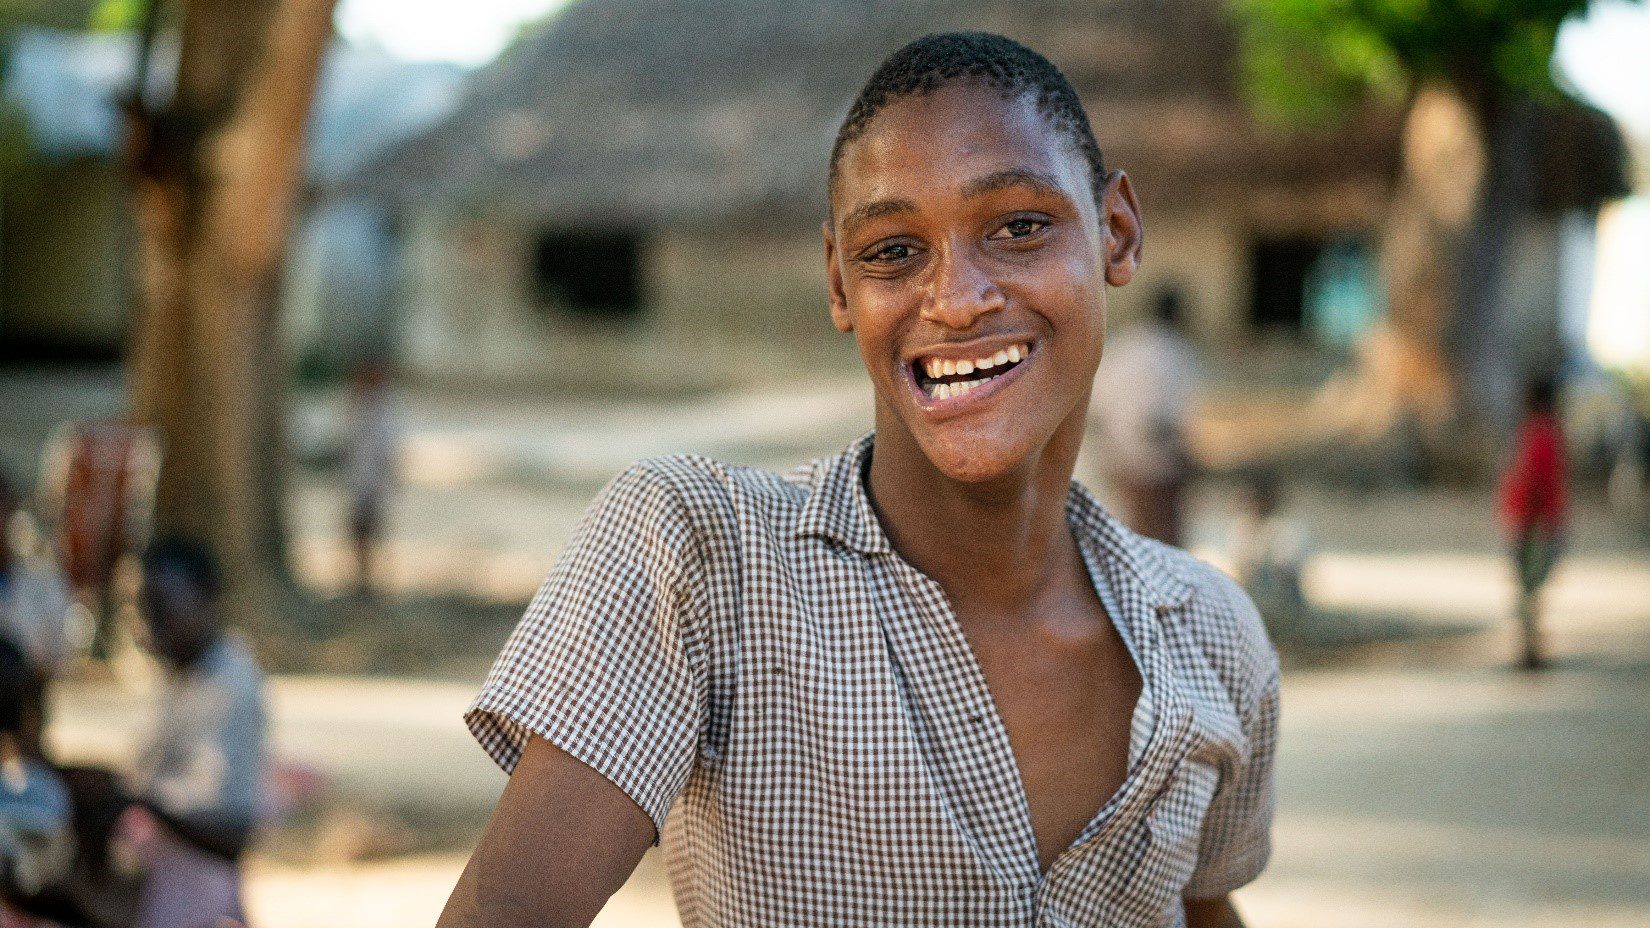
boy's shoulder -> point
(711, 495)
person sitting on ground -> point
(36, 817)
(1534, 509)
(198, 781)
(928, 680)
(34, 610)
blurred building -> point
(66, 241)
(631, 196)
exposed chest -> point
(1066, 693)
(869, 726)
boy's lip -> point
(946, 408)
(967, 351)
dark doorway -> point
(595, 276)
(1277, 299)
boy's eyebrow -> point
(866, 212)
(1013, 177)
(978, 187)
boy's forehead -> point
(963, 126)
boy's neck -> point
(997, 542)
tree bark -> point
(1481, 339)
(216, 176)
(1465, 187)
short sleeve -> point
(1236, 841)
(600, 663)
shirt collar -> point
(1141, 556)
(839, 508)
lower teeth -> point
(941, 391)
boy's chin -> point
(975, 458)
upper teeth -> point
(936, 367)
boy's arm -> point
(561, 841)
(1212, 913)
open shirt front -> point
(797, 709)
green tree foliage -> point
(1307, 61)
(117, 15)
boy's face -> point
(965, 229)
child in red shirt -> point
(1533, 507)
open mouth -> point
(945, 378)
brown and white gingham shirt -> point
(747, 653)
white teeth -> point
(945, 391)
(937, 368)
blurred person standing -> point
(198, 782)
(1534, 508)
(373, 445)
(1143, 398)
(97, 493)
(1269, 552)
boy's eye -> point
(1018, 228)
(892, 252)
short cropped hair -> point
(1015, 71)
(188, 556)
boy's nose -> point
(960, 292)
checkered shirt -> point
(796, 708)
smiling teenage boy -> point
(928, 681)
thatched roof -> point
(650, 112)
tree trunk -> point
(1481, 339)
(1466, 184)
(217, 172)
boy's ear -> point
(1124, 234)
(833, 276)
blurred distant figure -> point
(97, 487)
(34, 610)
(1143, 397)
(1269, 555)
(1533, 508)
(198, 783)
(373, 445)
(36, 816)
